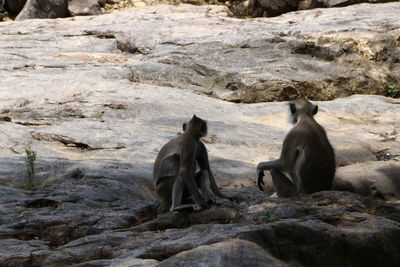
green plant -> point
(393, 91)
(267, 218)
(30, 172)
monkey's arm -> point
(267, 165)
(214, 186)
(186, 171)
(204, 164)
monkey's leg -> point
(282, 185)
(164, 191)
(177, 192)
(267, 165)
(177, 195)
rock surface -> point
(331, 55)
(96, 97)
(378, 178)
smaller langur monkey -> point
(307, 160)
(182, 174)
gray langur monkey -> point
(178, 183)
(307, 160)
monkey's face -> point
(301, 107)
(196, 125)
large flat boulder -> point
(96, 97)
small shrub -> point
(267, 218)
(30, 172)
(393, 91)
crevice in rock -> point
(28, 123)
(99, 34)
(385, 155)
(312, 49)
(69, 142)
(41, 203)
(129, 45)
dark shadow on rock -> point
(73, 199)
(41, 203)
(222, 214)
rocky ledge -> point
(96, 97)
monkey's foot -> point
(233, 199)
(215, 200)
(219, 201)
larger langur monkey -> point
(307, 160)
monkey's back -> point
(309, 140)
(168, 158)
(167, 150)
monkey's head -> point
(301, 107)
(196, 126)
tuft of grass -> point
(30, 172)
(393, 91)
(267, 218)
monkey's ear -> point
(315, 109)
(184, 126)
(292, 107)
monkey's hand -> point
(260, 178)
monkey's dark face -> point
(197, 126)
(299, 108)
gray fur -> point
(307, 160)
(175, 177)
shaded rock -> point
(88, 7)
(308, 4)
(225, 214)
(379, 179)
(321, 233)
(39, 9)
(13, 7)
(128, 261)
(322, 227)
(234, 252)
(15, 252)
(272, 8)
